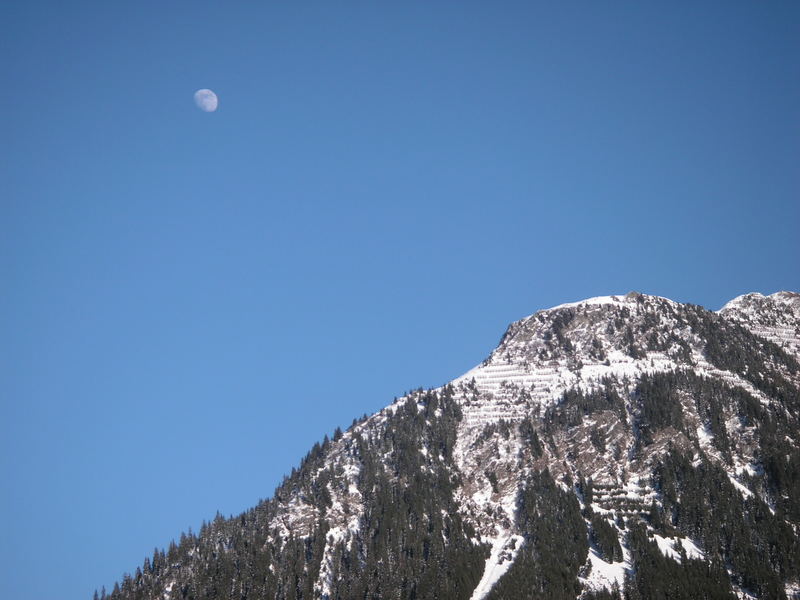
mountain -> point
(623, 446)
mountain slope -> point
(623, 442)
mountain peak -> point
(581, 344)
(756, 299)
(775, 317)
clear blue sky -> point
(190, 300)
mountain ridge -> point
(589, 404)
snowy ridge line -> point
(604, 300)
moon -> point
(206, 100)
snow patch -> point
(605, 574)
(704, 436)
(670, 547)
(745, 491)
(504, 550)
(335, 536)
(596, 301)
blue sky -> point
(190, 300)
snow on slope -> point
(606, 575)
(504, 550)
(523, 366)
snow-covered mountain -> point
(623, 444)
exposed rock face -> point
(597, 439)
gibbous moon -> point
(206, 100)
